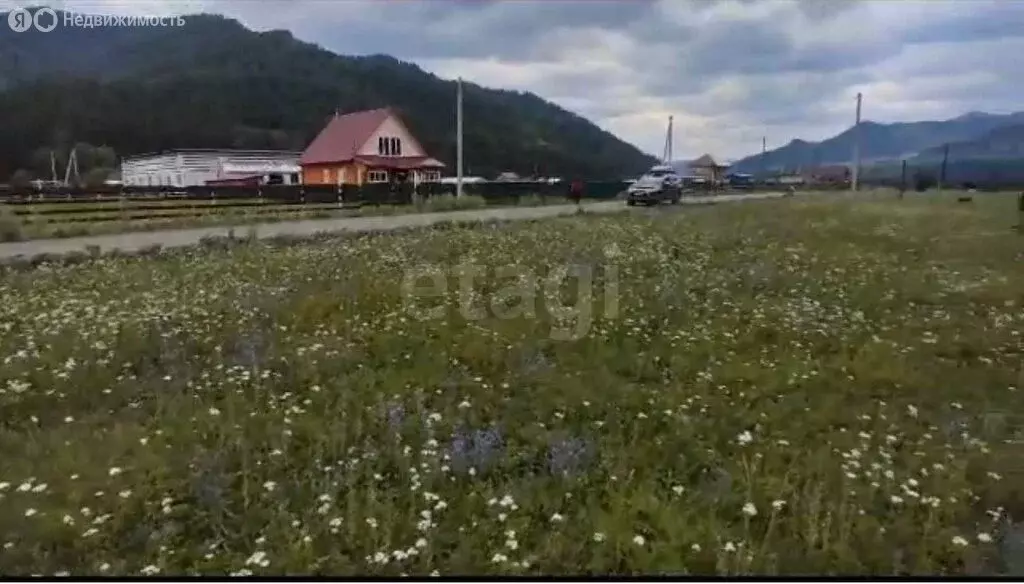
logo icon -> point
(19, 19)
(42, 25)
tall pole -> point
(903, 178)
(856, 148)
(458, 140)
(669, 161)
(666, 153)
(942, 171)
(764, 158)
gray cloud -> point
(730, 71)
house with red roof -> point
(367, 147)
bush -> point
(453, 203)
(10, 226)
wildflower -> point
(744, 438)
(104, 567)
(912, 411)
(557, 518)
(499, 559)
(258, 558)
(984, 538)
(270, 485)
(695, 547)
(30, 512)
(778, 504)
(678, 489)
(214, 412)
(639, 540)
(959, 541)
(421, 543)
(150, 570)
(599, 537)
(4, 485)
(749, 510)
(114, 471)
(729, 546)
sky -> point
(731, 72)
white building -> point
(185, 168)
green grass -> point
(784, 387)
(62, 225)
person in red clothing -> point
(576, 191)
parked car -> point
(657, 185)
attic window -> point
(389, 146)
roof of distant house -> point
(704, 161)
(341, 139)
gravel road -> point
(135, 241)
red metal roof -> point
(343, 136)
(400, 162)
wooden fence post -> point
(1020, 213)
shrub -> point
(10, 226)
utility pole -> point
(764, 159)
(458, 140)
(942, 170)
(667, 153)
(856, 148)
(903, 178)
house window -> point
(326, 177)
(382, 146)
(396, 147)
(377, 176)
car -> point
(657, 185)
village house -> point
(706, 168)
(367, 147)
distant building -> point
(185, 168)
(706, 168)
(830, 174)
(508, 177)
(367, 147)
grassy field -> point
(785, 387)
(61, 220)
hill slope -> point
(878, 141)
(1000, 143)
(213, 84)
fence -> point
(368, 194)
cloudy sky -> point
(730, 71)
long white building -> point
(185, 168)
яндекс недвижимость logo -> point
(46, 19)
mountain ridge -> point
(214, 83)
(879, 142)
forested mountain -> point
(1003, 142)
(212, 83)
(878, 142)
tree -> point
(95, 177)
(21, 178)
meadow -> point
(803, 386)
(61, 220)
